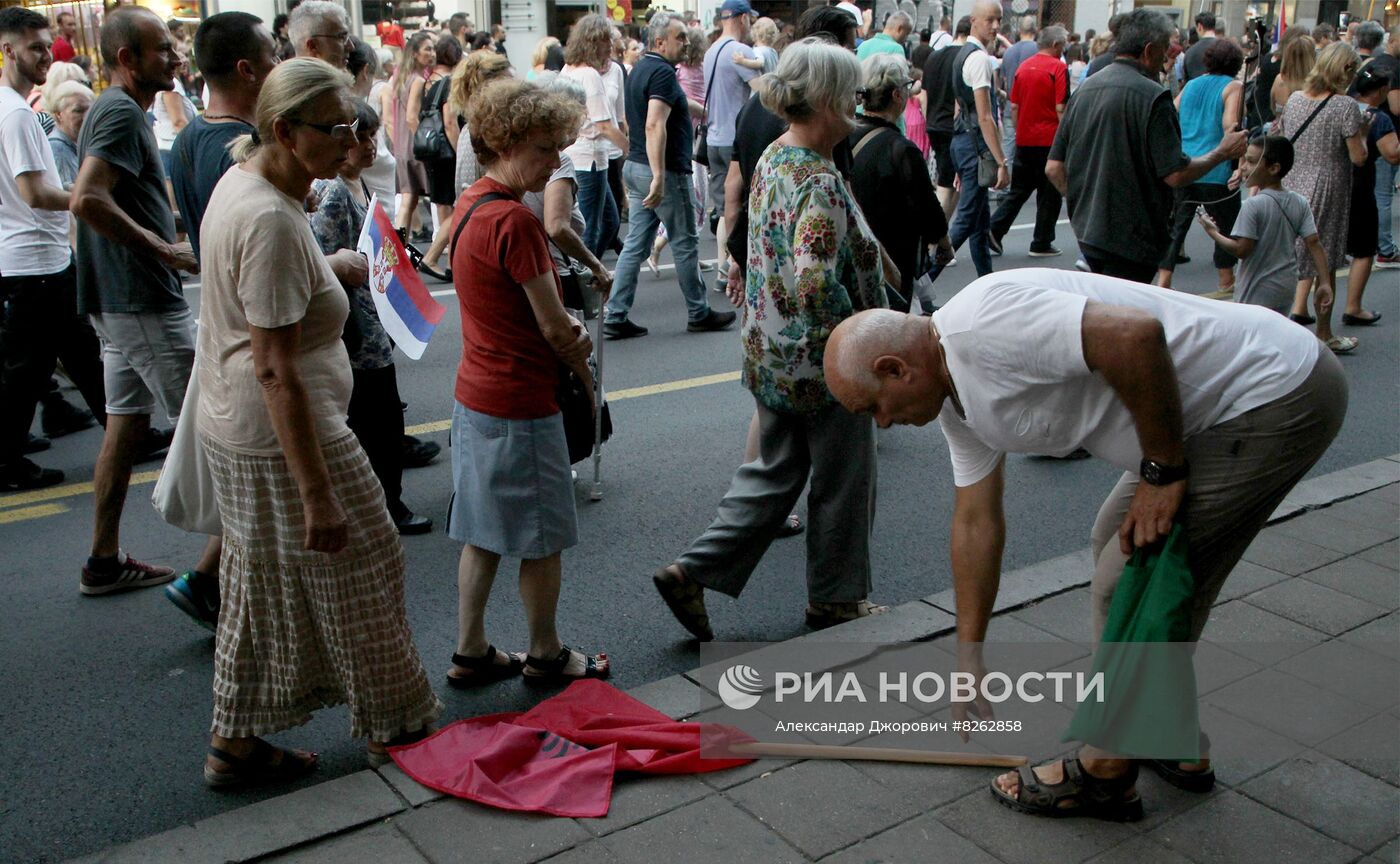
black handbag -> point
(700, 152)
(574, 397)
(576, 404)
(430, 142)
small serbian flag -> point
(407, 311)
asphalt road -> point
(105, 701)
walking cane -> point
(597, 493)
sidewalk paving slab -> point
(712, 830)
(1372, 746)
(1385, 555)
(410, 790)
(822, 806)
(1140, 850)
(1016, 838)
(1257, 634)
(1381, 636)
(676, 696)
(1231, 828)
(1361, 578)
(1315, 606)
(923, 836)
(1245, 579)
(380, 843)
(1287, 705)
(1347, 670)
(1288, 554)
(1321, 528)
(461, 832)
(1330, 797)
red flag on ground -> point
(560, 756)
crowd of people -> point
(839, 167)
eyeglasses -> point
(335, 37)
(338, 131)
(908, 86)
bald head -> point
(986, 20)
(887, 364)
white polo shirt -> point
(1015, 351)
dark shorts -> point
(1363, 229)
(940, 144)
(442, 182)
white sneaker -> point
(1081, 264)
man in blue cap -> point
(727, 89)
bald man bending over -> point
(1213, 411)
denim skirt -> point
(513, 493)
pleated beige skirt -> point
(302, 630)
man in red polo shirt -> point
(1038, 96)
(67, 31)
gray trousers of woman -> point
(833, 448)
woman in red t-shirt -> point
(510, 461)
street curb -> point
(341, 805)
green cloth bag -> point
(1148, 709)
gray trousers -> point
(1240, 471)
(836, 449)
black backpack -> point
(430, 142)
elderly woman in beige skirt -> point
(312, 570)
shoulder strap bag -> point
(701, 151)
(1316, 111)
(573, 395)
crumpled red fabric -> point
(560, 757)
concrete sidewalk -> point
(1307, 754)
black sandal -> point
(258, 766)
(1079, 794)
(484, 669)
(1191, 781)
(551, 672)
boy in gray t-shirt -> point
(1269, 224)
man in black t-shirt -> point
(938, 83)
(1194, 65)
(235, 52)
(657, 176)
(1382, 57)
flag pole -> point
(875, 754)
(596, 494)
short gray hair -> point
(302, 23)
(881, 76)
(1028, 24)
(812, 74)
(553, 82)
(900, 20)
(54, 100)
(1140, 28)
(659, 26)
(1051, 36)
(1369, 36)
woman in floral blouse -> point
(813, 262)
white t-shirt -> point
(165, 124)
(32, 242)
(613, 81)
(979, 75)
(262, 267)
(1016, 356)
(589, 151)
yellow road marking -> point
(70, 491)
(20, 514)
(73, 490)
